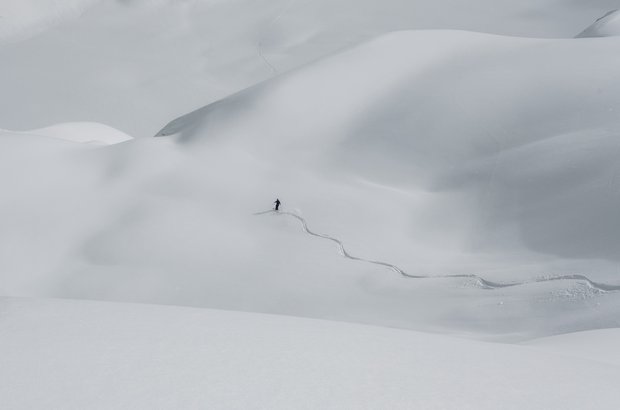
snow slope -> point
(608, 25)
(500, 145)
(135, 64)
(76, 355)
(478, 157)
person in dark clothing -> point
(277, 204)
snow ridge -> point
(480, 281)
(605, 26)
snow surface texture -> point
(112, 356)
(135, 64)
(608, 25)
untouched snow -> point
(608, 25)
(600, 345)
(113, 356)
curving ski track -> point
(483, 283)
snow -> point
(517, 187)
(448, 235)
(136, 64)
(608, 25)
(24, 18)
(84, 132)
(598, 345)
(113, 356)
(348, 126)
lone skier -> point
(277, 208)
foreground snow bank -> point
(600, 345)
(85, 355)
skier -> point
(277, 204)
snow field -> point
(113, 356)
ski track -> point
(273, 21)
(480, 281)
(273, 69)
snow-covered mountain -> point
(135, 64)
